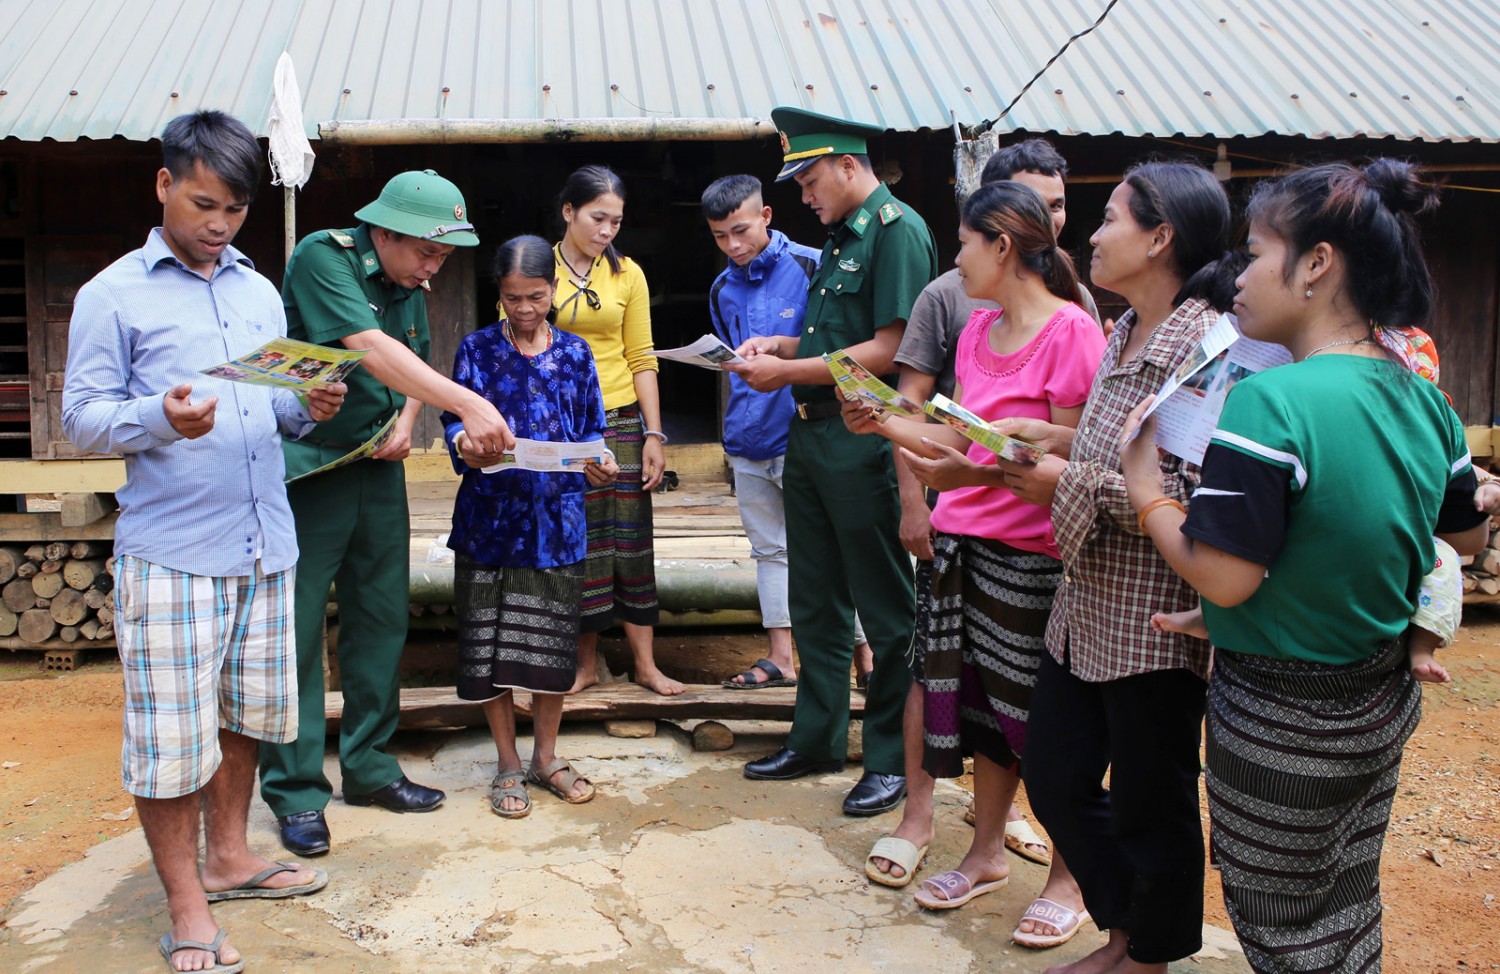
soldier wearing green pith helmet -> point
(364, 287)
(843, 512)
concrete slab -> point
(679, 865)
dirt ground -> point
(60, 789)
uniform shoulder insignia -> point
(342, 239)
(889, 213)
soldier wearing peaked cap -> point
(843, 511)
(364, 287)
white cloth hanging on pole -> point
(291, 153)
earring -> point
(1150, 255)
(1308, 292)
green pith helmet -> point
(423, 205)
(807, 137)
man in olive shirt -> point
(842, 508)
(364, 288)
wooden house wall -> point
(80, 205)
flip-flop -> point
(1022, 839)
(774, 677)
(953, 889)
(251, 889)
(168, 947)
(899, 851)
(1053, 914)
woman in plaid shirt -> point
(1114, 694)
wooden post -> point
(36, 625)
(86, 549)
(80, 573)
(10, 557)
(289, 220)
(18, 595)
(47, 586)
(81, 509)
(68, 608)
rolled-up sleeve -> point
(292, 417)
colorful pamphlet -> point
(547, 457)
(707, 352)
(970, 425)
(290, 364)
(365, 449)
(1188, 405)
(856, 383)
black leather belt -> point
(818, 410)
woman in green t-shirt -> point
(1311, 697)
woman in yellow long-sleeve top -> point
(602, 298)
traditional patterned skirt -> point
(518, 627)
(620, 567)
(1303, 760)
(985, 634)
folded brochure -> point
(1188, 405)
(1005, 447)
(707, 352)
(289, 364)
(545, 456)
(856, 383)
(365, 449)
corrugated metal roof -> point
(1412, 69)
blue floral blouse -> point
(520, 518)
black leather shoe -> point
(875, 794)
(305, 833)
(401, 795)
(787, 764)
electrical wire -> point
(985, 126)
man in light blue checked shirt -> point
(205, 541)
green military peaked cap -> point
(807, 137)
(424, 205)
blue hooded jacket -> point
(767, 296)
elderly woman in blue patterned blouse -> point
(519, 535)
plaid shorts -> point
(200, 653)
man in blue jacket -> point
(762, 292)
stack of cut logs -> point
(1482, 571)
(58, 590)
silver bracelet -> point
(658, 434)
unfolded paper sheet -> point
(547, 457)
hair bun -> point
(1400, 186)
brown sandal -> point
(509, 784)
(565, 790)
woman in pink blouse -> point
(996, 564)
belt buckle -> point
(802, 410)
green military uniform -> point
(352, 528)
(843, 512)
